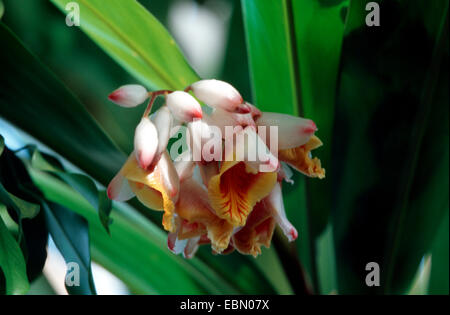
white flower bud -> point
(183, 106)
(163, 121)
(218, 94)
(292, 131)
(145, 142)
(130, 95)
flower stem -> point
(153, 96)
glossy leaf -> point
(12, 263)
(319, 31)
(81, 183)
(104, 209)
(270, 54)
(21, 198)
(439, 278)
(23, 208)
(69, 129)
(69, 231)
(136, 40)
(2, 9)
(275, 86)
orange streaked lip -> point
(234, 191)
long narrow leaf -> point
(273, 72)
(136, 40)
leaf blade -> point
(12, 263)
(119, 29)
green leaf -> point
(12, 263)
(439, 278)
(326, 262)
(136, 40)
(41, 163)
(104, 209)
(22, 208)
(2, 9)
(70, 233)
(273, 73)
(391, 145)
(83, 185)
(21, 196)
(56, 118)
(421, 281)
(319, 32)
(87, 188)
(28, 210)
(270, 54)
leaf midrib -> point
(130, 44)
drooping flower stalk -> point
(224, 189)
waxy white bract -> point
(145, 142)
(130, 95)
(183, 106)
(293, 131)
(163, 121)
(218, 94)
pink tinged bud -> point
(163, 121)
(145, 142)
(184, 106)
(119, 189)
(218, 94)
(130, 95)
(292, 131)
(276, 201)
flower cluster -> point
(211, 193)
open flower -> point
(225, 189)
(157, 188)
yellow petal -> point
(257, 231)
(163, 179)
(151, 198)
(236, 189)
(300, 159)
(193, 206)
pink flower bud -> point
(130, 95)
(183, 106)
(219, 94)
(145, 142)
(292, 131)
